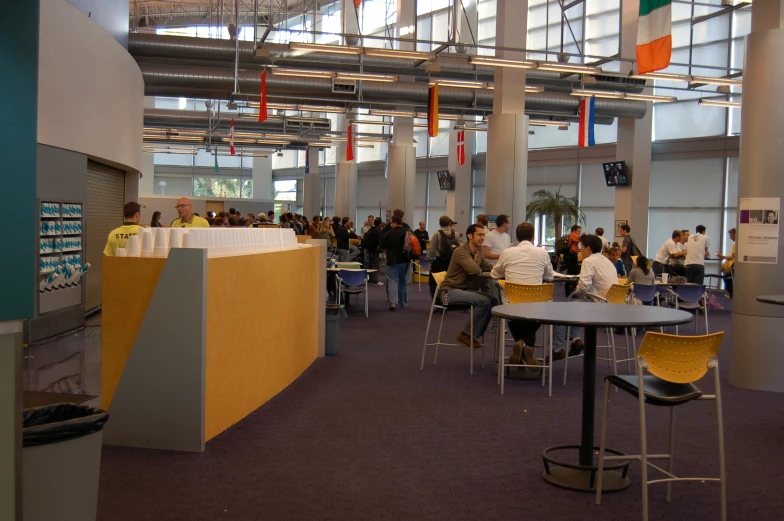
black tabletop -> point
(590, 314)
(771, 299)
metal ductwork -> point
(201, 120)
(168, 80)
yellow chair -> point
(525, 294)
(675, 363)
(436, 305)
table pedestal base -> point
(583, 478)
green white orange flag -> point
(654, 35)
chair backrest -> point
(690, 292)
(645, 293)
(579, 256)
(349, 265)
(618, 294)
(526, 293)
(353, 277)
(439, 277)
(634, 260)
(679, 359)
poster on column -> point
(758, 230)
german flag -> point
(432, 111)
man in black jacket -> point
(370, 243)
(342, 238)
(397, 264)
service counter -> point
(191, 345)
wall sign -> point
(758, 230)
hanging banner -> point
(758, 230)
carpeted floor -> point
(367, 435)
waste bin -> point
(61, 462)
(335, 315)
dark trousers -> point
(677, 269)
(727, 283)
(572, 268)
(659, 268)
(524, 330)
(695, 273)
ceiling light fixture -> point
(302, 73)
(394, 53)
(361, 76)
(320, 144)
(373, 140)
(502, 62)
(651, 97)
(662, 76)
(568, 67)
(377, 123)
(720, 103)
(447, 117)
(392, 113)
(459, 83)
(318, 47)
(322, 108)
(588, 93)
(706, 80)
(475, 129)
(529, 89)
(365, 146)
(547, 123)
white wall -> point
(90, 90)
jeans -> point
(343, 255)
(695, 273)
(397, 285)
(482, 303)
(372, 261)
(354, 252)
(559, 332)
(727, 282)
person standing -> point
(397, 263)
(313, 229)
(482, 220)
(605, 243)
(130, 226)
(367, 225)
(467, 263)
(422, 235)
(497, 240)
(628, 248)
(156, 220)
(370, 242)
(697, 249)
(342, 240)
(729, 262)
(186, 217)
(442, 246)
(572, 266)
(669, 250)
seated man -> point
(669, 250)
(597, 276)
(524, 264)
(466, 264)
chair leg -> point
(705, 306)
(544, 353)
(438, 340)
(471, 341)
(602, 438)
(500, 351)
(634, 347)
(658, 304)
(722, 470)
(427, 333)
(676, 307)
(608, 332)
(671, 452)
(566, 358)
(643, 448)
(550, 364)
(626, 332)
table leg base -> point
(583, 478)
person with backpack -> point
(370, 241)
(628, 248)
(442, 246)
(396, 244)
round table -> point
(591, 316)
(771, 299)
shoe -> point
(528, 356)
(517, 352)
(576, 347)
(392, 307)
(558, 354)
(466, 340)
(378, 283)
(404, 306)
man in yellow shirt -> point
(726, 266)
(187, 219)
(130, 226)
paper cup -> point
(133, 246)
(120, 252)
(664, 278)
(175, 237)
(187, 240)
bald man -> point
(187, 219)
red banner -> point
(263, 105)
(350, 144)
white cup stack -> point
(147, 242)
(188, 240)
(160, 242)
(133, 246)
(175, 237)
(120, 252)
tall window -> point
(284, 190)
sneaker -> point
(576, 347)
(466, 341)
(392, 307)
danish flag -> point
(460, 147)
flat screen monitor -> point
(616, 174)
(445, 180)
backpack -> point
(446, 247)
(411, 248)
(562, 244)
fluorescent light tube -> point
(502, 62)
(302, 73)
(460, 84)
(317, 47)
(720, 103)
(394, 53)
(361, 76)
(568, 67)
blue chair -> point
(691, 297)
(353, 282)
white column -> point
(634, 147)
(147, 181)
(349, 17)
(507, 134)
(458, 201)
(345, 175)
(405, 25)
(757, 357)
(466, 23)
(401, 168)
(312, 190)
(262, 178)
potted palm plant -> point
(554, 206)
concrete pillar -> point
(405, 25)
(262, 177)
(634, 147)
(507, 134)
(757, 356)
(350, 21)
(466, 26)
(147, 180)
(345, 175)
(401, 168)
(458, 201)
(312, 191)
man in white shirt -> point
(597, 275)
(497, 240)
(605, 242)
(523, 264)
(671, 249)
(697, 249)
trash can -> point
(335, 315)
(61, 462)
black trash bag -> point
(60, 422)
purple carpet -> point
(367, 435)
